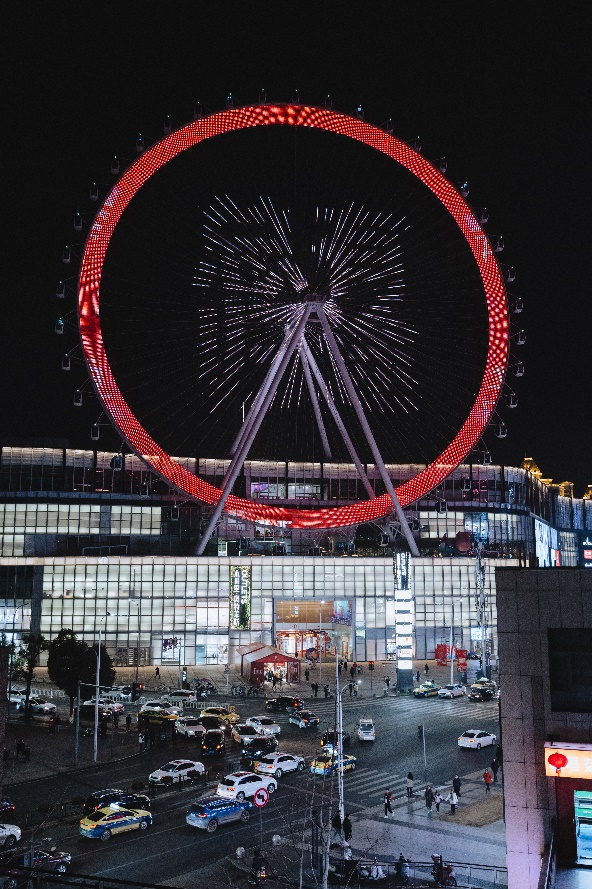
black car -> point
(329, 739)
(114, 797)
(258, 747)
(87, 713)
(6, 806)
(213, 742)
(11, 864)
(481, 694)
(214, 722)
(285, 703)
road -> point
(174, 853)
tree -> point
(32, 644)
(71, 661)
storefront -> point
(314, 628)
(263, 662)
(571, 766)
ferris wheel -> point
(284, 278)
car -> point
(240, 785)
(115, 798)
(42, 859)
(264, 725)
(6, 806)
(163, 705)
(475, 739)
(230, 716)
(427, 689)
(109, 820)
(481, 693)
(486, 683)
(175, 771)
(304, 719)
(209, 813)
(284, 702)
(119, 693)
(452, 691)
(277, 763)
(87, 713)
(258, 747)
(326, 764)
(365, 729)
(15, 697)
(181, 696)
(190, 726)
(209, 722)
(213, 742)
(241, 732)
(158, 715)
(329, 740)
(38, 705)
(10, 834)
(106, 704)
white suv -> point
(365, 729)
(240, 785)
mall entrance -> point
(314, 628)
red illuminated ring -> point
(330, 121)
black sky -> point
(505, 99)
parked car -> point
(190, 726)
(285, 703)
(475, 739)
(42, 859)
(211, 812)
(213, 743)
(326, 764)
(329, 740)
(38, 705)
(427, 689)
(106, 822)
(225, 713)
(452, 691)
(241, 732)
(176, 770)
(15, 697)
(277, 763)
(10, 834)
(264, 725)
(365, 729)
(258, 747)
(304, 719)
(115, 798)
(240, 785)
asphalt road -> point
(170, 851)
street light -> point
(98, 656)
(322, 602)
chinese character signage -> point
(568, 760)
(240, 597)
(585, 549)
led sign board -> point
(240, 597)
(568, 760)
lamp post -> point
(97, 678)
(322, 602)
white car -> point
(165, 706)
(10, 835)
(181, 696)
(264, 725)
(452, 691)
(16, 697)
(240, 785)
(107, 704)
(277, 763)
(475, 739)
(38, 705)
(175, 771)
(119, 693)
(365, 729)
(242, 733)
(190, 726)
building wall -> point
(529, 602)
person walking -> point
(426, 669)
(347, 828)
(336, 825)
(315, 688)
(417, 676)
(157, 673)
(128, 722)
(456, 785)
(437, 800)
(274, 681)
(409, 785)
(307, 674)
(429, 798)
(488, 778)
(388, 803)
(452, 798)
(327, 691)
(351, 688)
(352, 671)
(494, 766)
(499, 755)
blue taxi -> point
(110, 820)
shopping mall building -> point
(93, 540)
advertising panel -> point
(240, 597)
(546, 544)
(585, 549)
(342, 612)
(568, 760)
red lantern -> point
(558, 761)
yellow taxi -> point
(109, 820)
(227, 713)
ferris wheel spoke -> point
(315, 402)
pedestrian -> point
(452, 798)
(141, 740)
(494, 766)
(103, 728)
(274, 681)
(51, 725)
(417, 676)
(488, 778)
(307, 674)
(128, 722)
(20, 751)
(437, 800)
(387, 682)
(116, 721)
(388, 803)
(426, 669)
(429, 798)
(352, 671)
(499, 755)
(57, 722)
(456, 785)
(315, 688)
(327, 691)
(157, 673)
(355, 689)
(347, 828)
(351, 688)
(27, 753)
(409, 785)
(345, 666)
(336, 825)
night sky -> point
(506, 101)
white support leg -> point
(315, 404)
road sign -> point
(261, 798)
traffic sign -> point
(261, 798)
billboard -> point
(585, 549)
(240, 597)
(342, 612)
(546, 545)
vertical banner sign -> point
(240, 597)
